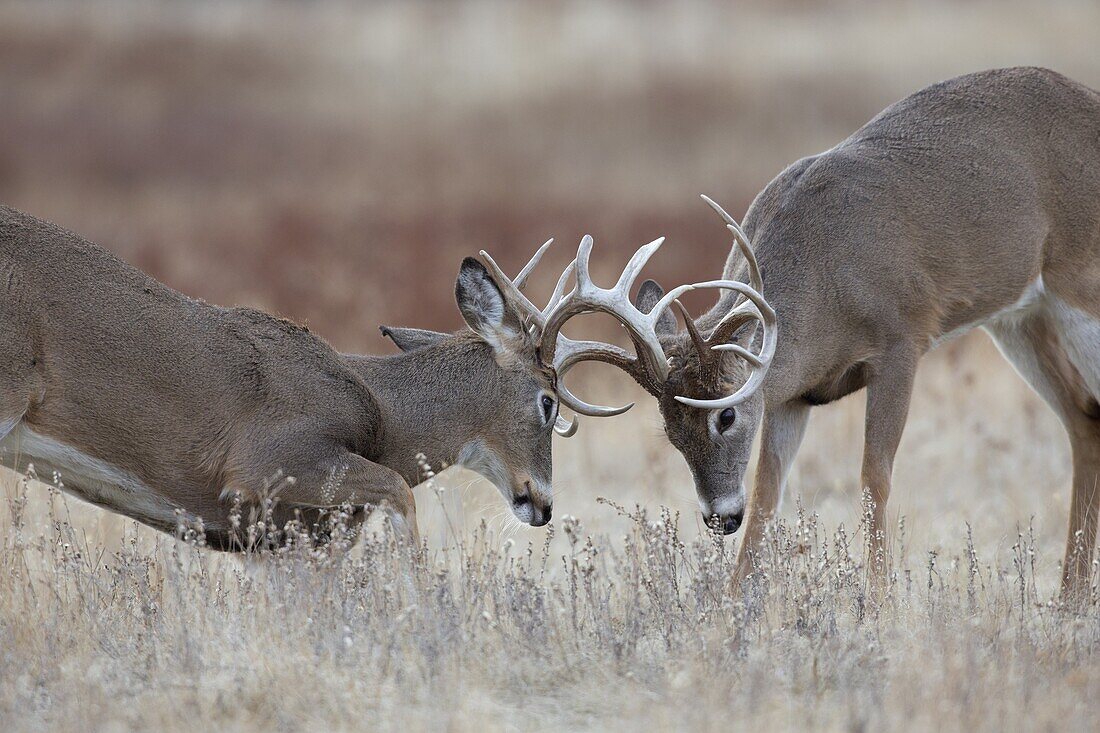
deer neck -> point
(429, 403)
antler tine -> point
(730, 324)
(635, 265)
(701, 345)
(511, 291)
(559, 290)
(521, 279)
(566, 428)
(719, 210)
(579, 406)
(758, 307)
(742, 243)
(744, 353)
(755, 278)
(584, 252)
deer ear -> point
(648, 296)
(483, 306)
(746, 334)
(740, 329)
(408, 339)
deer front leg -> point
(781, 436)
(347, 479)
(888, 395)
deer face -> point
(495, 406)
(511, 448)
(493, 387)
(514, 454)
(716, 443)
(692, 372)
(710, 394)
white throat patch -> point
(480, 458)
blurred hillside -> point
(334, 161)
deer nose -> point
(540, 517)
(727, 523)
(540, 514)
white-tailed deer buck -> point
(168, 409)
(974, 202)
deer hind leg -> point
(888, 394)
(18, 385)
(1050, 355)
(13, 407)
(9, 418)
(781, 436)
(1079, 336)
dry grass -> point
(306, 157)
(618, 616)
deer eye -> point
(547, 405)
(726, 418)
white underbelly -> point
(84, 476)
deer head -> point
(705, 377)
(484, 398)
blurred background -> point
(332, 162)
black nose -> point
(731, 523)
(728, 524)
(541, 517)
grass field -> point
(307, 157)
(619, 615)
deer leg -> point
(888, 395)
(1035, 348)
(1084, 505)
(781, 436)
(1074, 343)
(346, 479)
(354, 480)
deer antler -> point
(649, 365)
(750, 309)
(532, 315)
(534, 320)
